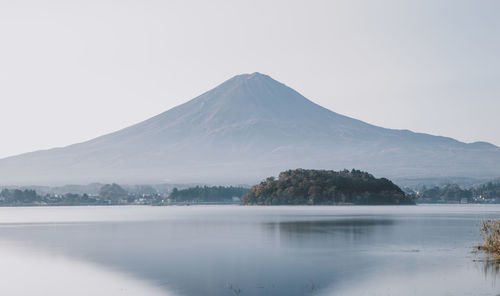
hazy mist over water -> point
(228, 250)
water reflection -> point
(26, 271)
(265, 250)
(489, 267)
(333, 233)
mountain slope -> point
(248, 127)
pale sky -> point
(74, 70)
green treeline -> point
(109, 194)
(452, 193)
(208, 194)
(18, 197)
(323, 187)
(490, 190)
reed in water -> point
(490, 230)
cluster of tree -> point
(323, 187)
(109, 194)
(490, 190)
(18, 197)
(208, 194)
(453, 193)
(143, 194)
(94, 188)
(113, 192)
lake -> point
(240, 250)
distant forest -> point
(293, 187)
(19, 197)
(208, 194)
(109, 194)
(323, 187)
(453, 193)
(114, 194)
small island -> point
(325, 187)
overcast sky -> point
(74, 70)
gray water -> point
(236, 250)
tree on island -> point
(324, 187)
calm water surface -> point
(235, 250)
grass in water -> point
(490, 230)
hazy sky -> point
(74, 70)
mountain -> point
(249, 127)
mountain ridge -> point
(248, 127)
